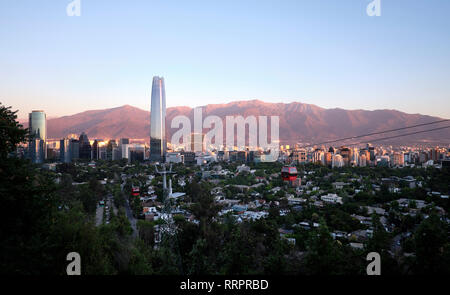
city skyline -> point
(299, 122)
(320, 52)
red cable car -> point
(135, 191)
(289, 173)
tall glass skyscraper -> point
(85, 147)
(64, 150)
(37, 148)
(158, 144)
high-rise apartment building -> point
(328, 157)
(346, 154)
(337, 161)
(299, 156)
(318, 157)
(363, 160)
(398, 159)
(435, 155)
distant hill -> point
(299, 122)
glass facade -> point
(158, 144)
(95, 150)
(37, 124)
(74, 149)
(64, 151)
(85, 147)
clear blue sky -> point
(328, 53)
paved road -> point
(99, 215)
(395, 246)
(131, 218)
(129, 213)
(110, 202)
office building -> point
(95, 150)
(111, 150)
(136, 152)
(74, 149)
(85, 147)
(37, 147)
(64, 150)
(158, 145)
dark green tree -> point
(432, 247)
(11, 132)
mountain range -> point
(299, 122)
